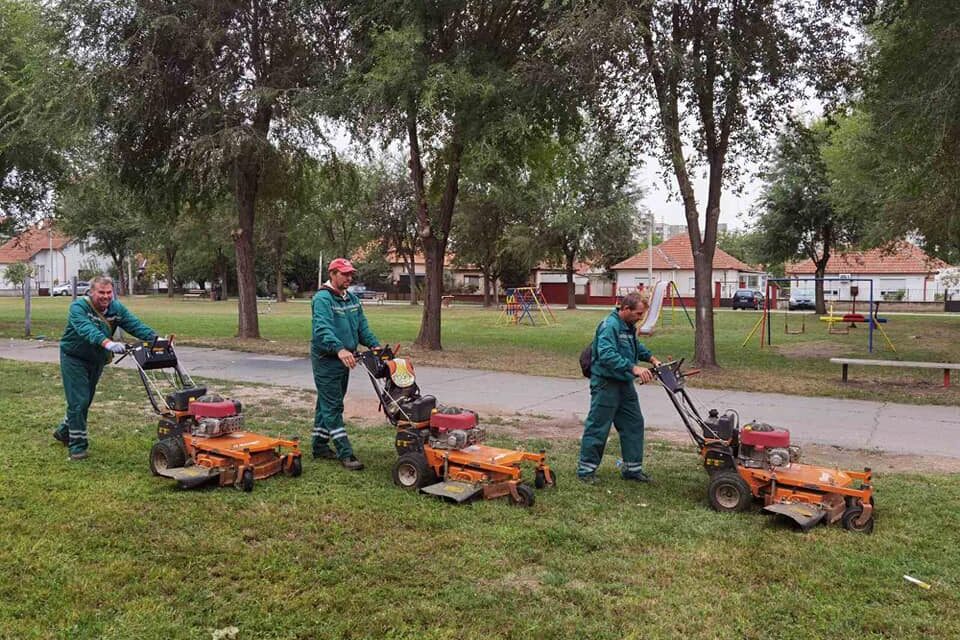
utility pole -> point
(27, 285)
(320, 271)
(650, 223)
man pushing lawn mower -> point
(613, 397)
(85, 348)
(339, 326)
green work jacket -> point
(616, 349)
(87, 330)
(338, 323)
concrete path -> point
(895, 428)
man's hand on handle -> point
(115, 347)
(347, 358)
(643, 374)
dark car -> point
(362, 292)
(747, 299)
(801, 300)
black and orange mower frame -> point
(758, 462)
(440, 449)
(201, 437)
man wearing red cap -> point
(339, 326)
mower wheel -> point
(728, 492)
(166, 454)
(296, 467)
(411, 471)
(850, 517)
(527, 497)
(540, 479)
(246, 480)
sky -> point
(664, 200)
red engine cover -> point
(775, 438)
(222, 409)
(447, 421)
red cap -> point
(342, 265)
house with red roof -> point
(901, 271)
(55, 257)
(672, 260)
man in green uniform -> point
(613, 396)
(86, 346)
(339, 325)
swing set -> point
(773, 292)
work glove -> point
(115, 347)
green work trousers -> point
(80, 379)
(330, 376)
(612, 402)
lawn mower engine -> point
(213, 416)
(760, 445)
(454, 428)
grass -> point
(101, 549)
(473, 337)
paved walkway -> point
(896, 428)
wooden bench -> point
(446, 301)
(195, 294)
(265, 305)
(946, 366)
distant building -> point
(667, 231)
(55, 257)
(673, 260)
(902, 271)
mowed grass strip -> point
(101, 549)
(474, 337)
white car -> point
(66, 289)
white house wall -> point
(729, 279)
(55, 268)
(917, 287)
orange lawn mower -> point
(757, 462)
(201, 437)
(440, 449)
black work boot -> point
(351, 463)
(637, 476)
(64, 439)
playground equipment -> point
(521, 302)
(873, 322)
(654, 312)
(440, 449)
(758, 462)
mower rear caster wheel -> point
(166, 454)
(527, 497)
(411, 471)
(246, 480)
(850, 517)
(728, 492)
(540, 479)
(296, 467)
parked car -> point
(747, 299)
(66, 289)
(362, 292)
(802, 300)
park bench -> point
(946, 366)
(446, 301)
(195, 294)
(379, 296)
(265, 305)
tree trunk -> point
(278, 273)
(571, 285)
(245, 192)
(411, 267)
(486, 289)
(429, 336)
(170, 253)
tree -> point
(395, 219)
(797, 219)
(17, 274)
(213, 86)
(903, 149)
(742, 244)
(452, 79)
(714, 77)
(96, 205)
(38, 115)
(587, 202)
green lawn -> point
(475, 337)
(101, 549)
